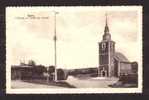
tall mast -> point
(55, 39)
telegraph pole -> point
(55, 51)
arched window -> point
(103, 46)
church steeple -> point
(106, 31)
(106, 54)
(106, 35)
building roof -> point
(22, 66)
(120, 57)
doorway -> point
(103, 73)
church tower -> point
(106, 54)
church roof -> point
(120, 57)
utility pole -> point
(55, 39)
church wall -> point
(106, 56)
(125, 68)
(103, 59)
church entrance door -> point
(103, 73)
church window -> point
(103, 46)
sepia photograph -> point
(84, 49)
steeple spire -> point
(106, 31)
(106, 20)
(106, 35)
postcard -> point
(74, 49)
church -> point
(112, 63)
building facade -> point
(111, 63)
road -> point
(21, 84)
(76, 82)
(91, 82)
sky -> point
(79, 29)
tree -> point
(31, 63)
(51, 69)
(39, 69)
